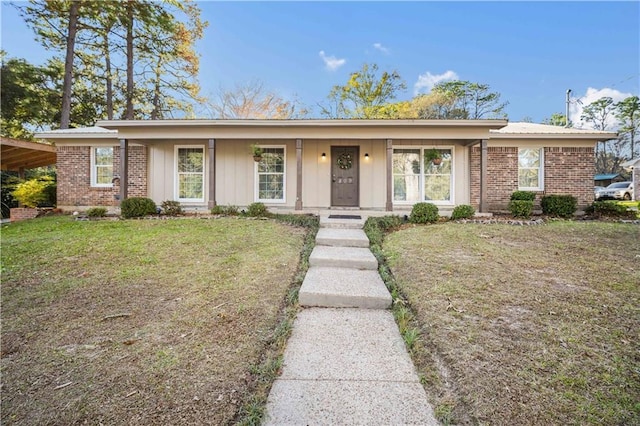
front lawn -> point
(525, 325)
(139, 322)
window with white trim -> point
(437, 177)
(270, 175)
(102, 166)
(190, 173)
(417, 178)
(406, 175)
(530, 169)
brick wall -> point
(570, 171)
(502, 176)
(22, 213)
(74, 177)
(566, 171)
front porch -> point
(312, 165)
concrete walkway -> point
(345, 362)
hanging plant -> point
(434, 156)
(256, 150)
(345, 161)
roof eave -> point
(116, 124)
(46, 135)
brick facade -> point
(22, 213)
(566, 171)
(570, 171)
(74, 177)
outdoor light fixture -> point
(324, 155)
(366, 155)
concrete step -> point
(343, 257)
(347, 366)
(344, 288)
(342, 237)
(325, 222)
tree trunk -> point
(129, 111)
(65, 115)
(155, 113)
(108, 76)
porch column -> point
(124, 169)
(212, 173)
(483, 176)
(298, 174)
(389, 205)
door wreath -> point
(345, 161)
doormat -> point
(344, 216)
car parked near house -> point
(616, 191)
(596, 190)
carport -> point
(19, 155)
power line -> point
(623, 81)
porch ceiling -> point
(18, 154)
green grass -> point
(151, 322)
(524, 325)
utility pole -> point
(568, 123)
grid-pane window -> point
(190, 174)
(530, 168)
(271, 175)
(102, 170)
(437, 177)
(406, 175)
(417, 177)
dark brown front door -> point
(344, 176)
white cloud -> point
(577, 105)
(331, 62)
(427, 80)
(380, 47)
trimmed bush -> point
(257, 210)
(171, 208)
(523, 196)
(37, 192)
(225, 210)
(463, 211)
(559, 205)
(97, 212)
(305, 220)
(376, 227)
(138, 207)
(521, 208)
(231, 210)
(609, 209)
(424, 213)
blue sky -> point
(530, 52)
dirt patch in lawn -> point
(139, 322)
(525, 325)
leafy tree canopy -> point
(556, 119)
(365, 94)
